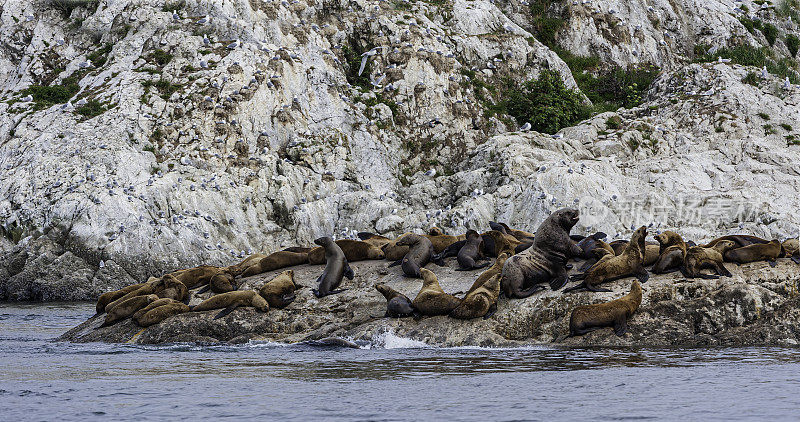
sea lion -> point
(672, 252)
(398, 305)
(496, 268)
(222, 282)
(392, 251)
(471, 252)
(145, 289)
(615, 313)
(336, 267)
(495, 243)
(651, 253)
(152, 305)
(239, 268)
(354, 250)
(521, 235)
(279, 292)
(738, 239)
(756, 252)
(791, 249)
(197, 276)
(127, 308)
(374, 239)
(442, 241)
(232, 300)
(545, 261)
(699, 257)
(431, 299)
(276, 261)
(629, 262)
(589, 243)
(109, 297)
(618, 246)
(435, 231)
(160, 313)
(481, 302)
(172, 288)
(419, 254)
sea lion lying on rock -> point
(545, 261)
(419, 254)
(615, 313)
(756, 252)
(672, 252)
(431, 299)
(158, 311)
(276, 261)
(354, 251)
(481, 302)
(109, 297)
(791, 249)
(629, 262)
(279, 292)
(739, 240)
(127, 308)
(232, 300)
(496, 268)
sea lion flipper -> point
(599, 236)
(396, 263)
(348, 272)
(588, 264)
(558, 282)
(575, 287)
(579, 276)
(684, 271)
(596, 289)
(365, 235)
(491, 311)
(620, 326)
(796, 259)
(205, 288)
(772, 263)
(226, 311)
(187, 299)
(642, 275)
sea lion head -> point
(428, 277)
(222, 276)
(435, 231)
(724, 246)
(472, 234)
(790, 247)
(567, 217)
(639, 237)
(385, 290)
(668, 238)
(323, 241)
(496, 226)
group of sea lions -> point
(525, 262)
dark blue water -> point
(394, 379)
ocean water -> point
(388, 379)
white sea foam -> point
(389, 340)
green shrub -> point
(613, 122)
(67, 6)
(751, 78)
(787, 127)
(165, 88)
(161, 57)
(747, 55)
(763, 115)
(770, 33)
(47, 96)
(545, 25)
(99, 57)
(545, 103)
(352, 55)
(793, 44)
(91, 109)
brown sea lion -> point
(495, 243)
(197, 276)
(239, 268)
(481, 302)
(127, 308)
(672, 252)
(398, 305)
(232, 300)
(145, 289)
(276, 261)
(471, 252)
(160, 313)
(756, 252)
(109, 297)
(336, 267)
(435, 231)
(419, 254)
(738, 239)
(222, 282)
(496, 268)
(170, 287)
(699, 257)
(651, 253)
(442, 241)
(152, 305)
(615, 313)
(521, 235)
(587, 245)
(374, 239)
(431, 299)
(545, 261)
(354, 251)
(629, 262)
(618, 246)
(791, 249)
(279, 292)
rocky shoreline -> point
(757, 306)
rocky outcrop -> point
(756, 306)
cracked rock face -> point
(756, 306)
(177, 141)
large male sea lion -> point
(545, 261)
(279, 292)
(419, 254)
(471, 252)
(481, 302)
(756, 252)
(431, 299)
(109, 297)
(615, 313)
(336, 267)
(276, 261)
(127, 308)
(398, 305)
(672, 252)
(629, 262)
(354, 251)
(232, 300)
(699, 257)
